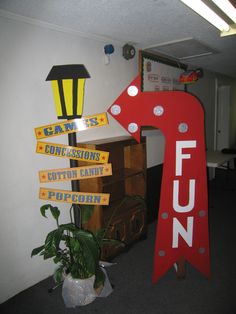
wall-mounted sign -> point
(71, 152)
(159, 73)
(182, 231)
(79, 173)
(74, 197)
(71, 126)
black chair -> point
(229, 176)
(230, 151)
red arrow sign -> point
(182, 229)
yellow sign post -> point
(79, 173)
(74, 197)
(68, 90)
(71, 126)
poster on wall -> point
(160, 74)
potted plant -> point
(77, 253)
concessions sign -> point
(77, 153)
(182, 230)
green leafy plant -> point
(75, 250)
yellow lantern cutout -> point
(68, 89)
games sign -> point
(71, 126)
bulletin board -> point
(160, 73)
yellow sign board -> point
(74, 197)
(78, 173)
(72, 152)
(71, 126)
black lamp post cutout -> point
(68, 89)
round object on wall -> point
(128, 51)
(109, 49)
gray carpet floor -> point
(134, 292)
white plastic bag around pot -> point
(78, 292)
(107, 288)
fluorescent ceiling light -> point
(202, 9)
(227, 8)
(232, 31)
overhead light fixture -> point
(212, 17)
(227, 8)
(202, 9)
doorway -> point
(223, 118)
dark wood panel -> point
(154, 176)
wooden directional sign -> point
(71, 126)
(78, 173)
(182, 231)
(72, 152)
(74, 197)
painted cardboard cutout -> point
(182, 229)
(76, 173)
(71, 126)
(74, 197)
(68, 89)
(72, 152)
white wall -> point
(27, 54)
(155, 141)
(233, 117)
(205, 89)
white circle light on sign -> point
(132, 90)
